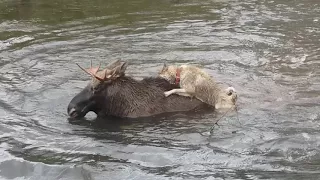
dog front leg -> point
(175, 91)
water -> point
(268, 50)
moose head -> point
(92, 97)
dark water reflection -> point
(267, 50)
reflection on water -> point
(267, 50)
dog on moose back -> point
(194, 82)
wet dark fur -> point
(126, 97)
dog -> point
(195, 82)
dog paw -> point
(166, 94)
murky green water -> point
(268, 50)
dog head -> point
(168, 73)
(227, 99)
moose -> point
(112, 93)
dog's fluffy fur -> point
(195, 82)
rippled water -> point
(268, 50)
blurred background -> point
(268, 50)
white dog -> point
(195, 82)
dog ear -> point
(165, 67)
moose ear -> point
(113, 64)
(119, 70)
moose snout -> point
(72, 112)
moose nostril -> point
(72, 112)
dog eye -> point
(229, 93)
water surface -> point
(267, 50)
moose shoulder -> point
(112, 93)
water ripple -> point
(267, 50)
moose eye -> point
(96, 88)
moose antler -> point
(92, 71)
